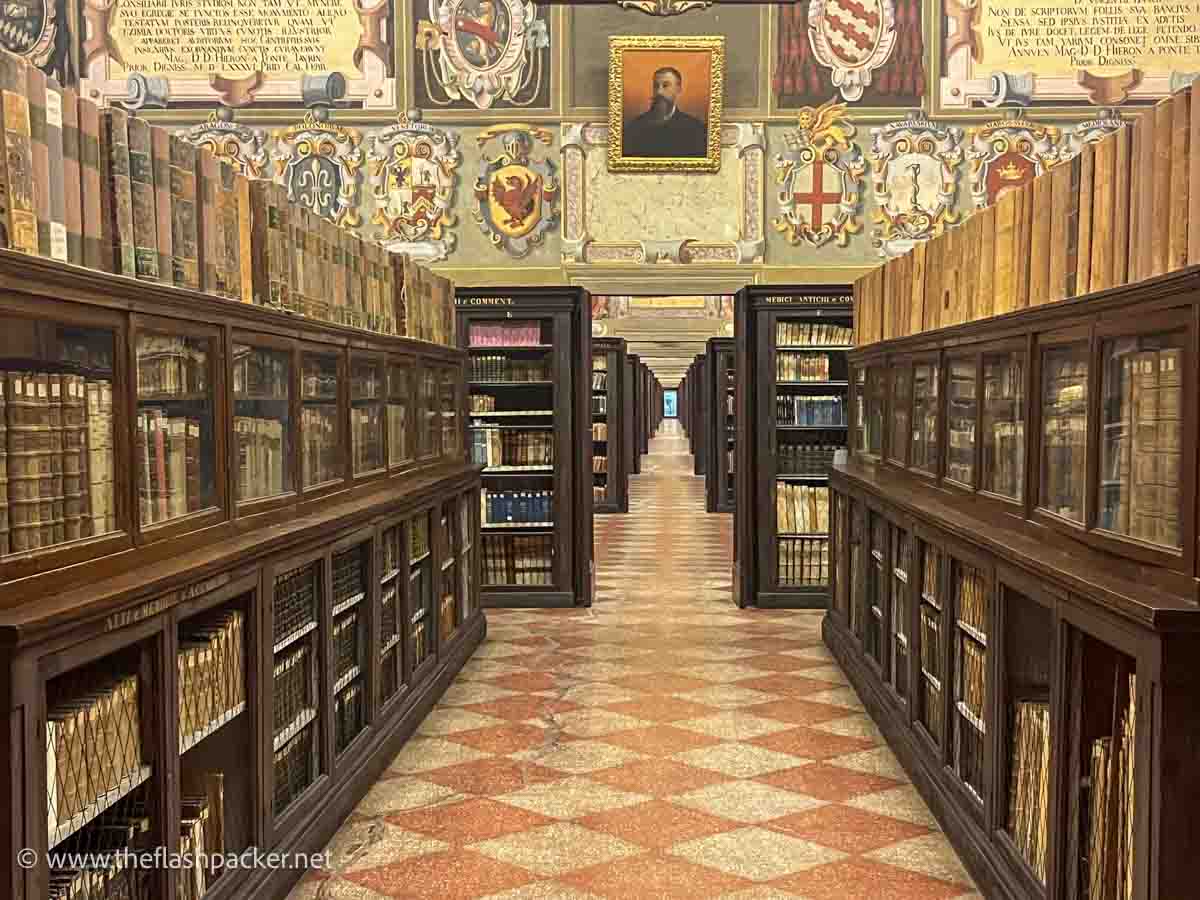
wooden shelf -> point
(287, 641)
(129, 782)
(187, 742)
(293, 728)
(348, 603)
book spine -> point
(916, 289)
(1194, 178)
(185, 243)
(1121, 225)
(72, 177)
(1104, 179)
(119, 196)
(1082, 233)
(933, 285)
(22, 217)
(160, 143)
(263, 256)
(230, 265)
(141, 191)
(210, 253)
(35, 93)
(1060, 213)
(1160, 249)
(283, 271)
(245, 226)
(57, 182)
(96, 253)
(1181, 188)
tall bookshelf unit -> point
(638, 395)
(697, 415)
(720, 393)
(209, 639)
(610, 488)
(1017, 582)
(791, 368)
(530, 379)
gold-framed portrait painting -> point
(664, 103)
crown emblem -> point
(1011, 172)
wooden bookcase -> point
(202, 635)
(638, 407)
(720, 384)
(1016, 585)
(697, 415)
(790, 407)
(610, 488)
(530, 378)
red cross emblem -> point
(819, 187)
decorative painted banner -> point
(163, 53)
(1092, 52)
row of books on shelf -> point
(167, 451)
(294, 686)
(526, 560)
(803, 562)
(599, 431)
(600, 404)
(1111, 808)
(56, 459)
(600, 362)
(972, 599)
(599, 464)
(295, 765)
(422, 641)
(294, 605)
(599, 381)
(812, 334)
(516, 507)
(802, 509)
(447, 616)
(150, 205)
(1029, 782)
(349, 715)
(212, 678)
(93, 750)
(482, 403)
(819, 411)
(492, 446)
(1143, 432)
(805, 458)
(505, 369)
(972, 687)
(321, 461)
(261, 374)
(1124, 209)
(346, 644)
(92, 866)
(261, 457)
(506, 334)
(791, 366)
(172, 365)
(599, 493)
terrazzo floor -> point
(662, 744)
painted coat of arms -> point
(30, 29)
(413, 176)
(914, 174)
(483, 51)
(853, 38)
(243, 147)
(1007, 154)
(821, 174)
(517, 194)
(320, 164)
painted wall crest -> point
(243, 147)
(914, 174)
(853, 38)
(517, 195)
(821, 175)
(1006, 154)
(30, 29)
(320, 164)
(484, 51)
(413, 174)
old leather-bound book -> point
(117, 197)
(160, 145)
(141, 187)
(72, 177)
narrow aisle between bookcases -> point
(661, 744)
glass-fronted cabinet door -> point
(322, 456)
(368, 391)
(449, 611)
(262, 421)
(401, 430)
(60, 417)
(176, 455)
